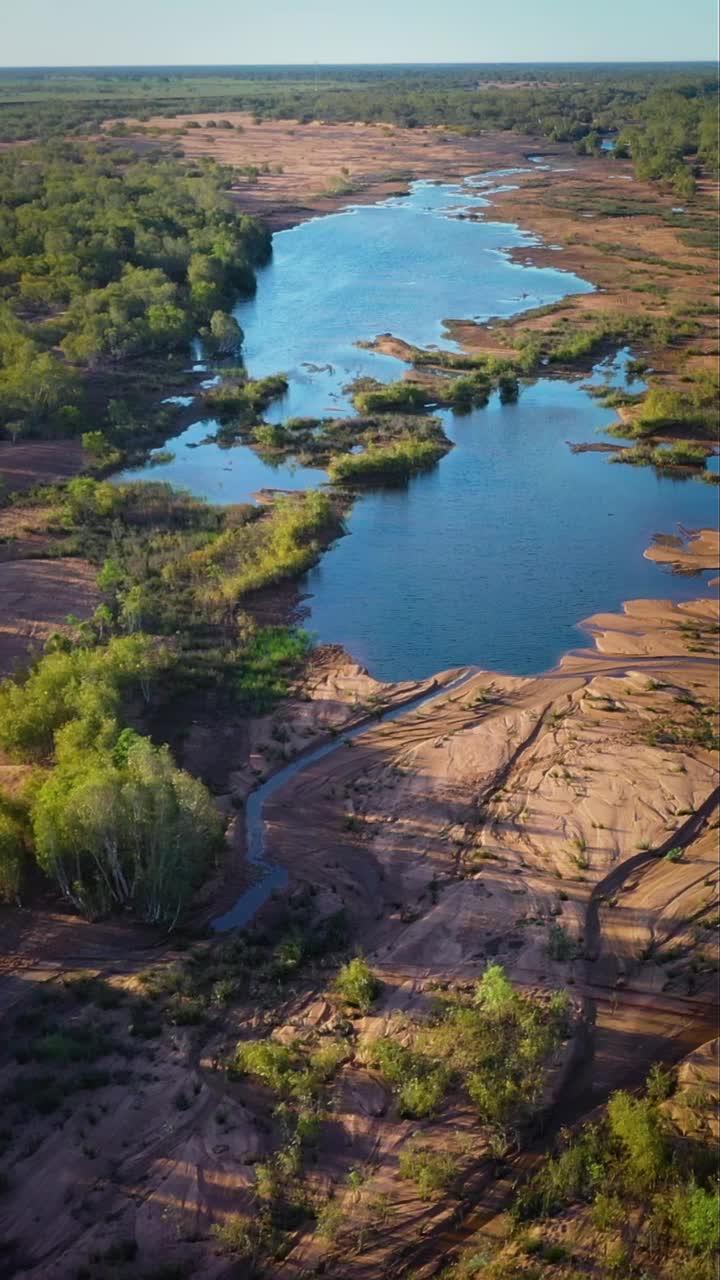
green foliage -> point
(225, 335)
(495, 992)
(261, 553)
(141, 311)
(664, 457)
(389, 464)
(561, 946)
(89, 501)
(244, 399)
(660, 113)
(396, 397)
(696, 1217)
(660, 1083)
(13, 847)
(273, 1063)
(646, 1185)
(135, 835)
(268, 660)
(76, 689)
(124, 255)
(35, 388)
(242, 1236)
(495, 1049)
(509, 388)
(469, 392)
(694, 409)
(298, 1074)
(432, 1171)
(357, 985)
(635, 1125)
(576, 1173)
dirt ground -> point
(691, 552)
(36, 598)
(366, 160)
(564, 825)
(31, 463)
(36, 594)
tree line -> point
(660, 114)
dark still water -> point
(493, 557)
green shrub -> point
(636, 1126)
(12, 856)
(696, 1218)
(421, 1095)
(79, 684)
(265, 665)
(136, 836)
(392, 463)
(357, 985)
(560, 945)
(242, 1236)
(269, 1061)
(405, 397)
(495, 1048)
(432, 1171)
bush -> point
(81, 684)
(282, 544)
(495, 1049)
(267, 661)
(421, 1095)
(636, 1126)
(495, 991)
(269, 1061)
(392, 463)
(696, 1217)
(242, 1236)
(404, 397)
(560, 945)
(357, 985)
(136, 835)
(12, 856)
(432, 1171)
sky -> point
(172, 32)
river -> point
(493, 557)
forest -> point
(109, 258)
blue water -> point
(494, 557)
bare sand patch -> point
(36, 462)
(36, 597)
(689, 552)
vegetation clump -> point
(357, 985)
(112, 820)
(495, 1048)
(431, 1171)
(386, 464)
(131, 830)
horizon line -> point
(500, 62)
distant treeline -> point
(663, 115)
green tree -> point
(136, 834)
(225, 333)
